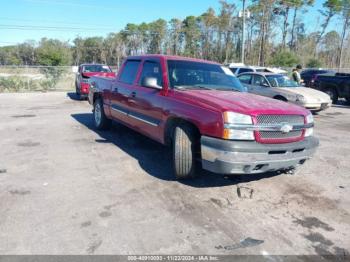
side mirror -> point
(265, 85)
(151, 82)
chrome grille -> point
(280, 135)
(278, 119)
(270, 120)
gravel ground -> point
(67, 189)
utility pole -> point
(243, 33)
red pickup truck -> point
(201, 110)
(85, 72)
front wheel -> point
(185, 149)
(100, 120)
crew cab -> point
(202, 111)
(84, 73)
(335, 85)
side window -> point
(233, 69)
(259, 81)
(129, 72)
(245, 79)
(152, 69)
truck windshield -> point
(281, 81)
(199, 75)
(96, 68)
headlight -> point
(233, 126)
(309, 120)
(235, 118)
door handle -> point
(133, 94)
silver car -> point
(283, 88)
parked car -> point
(335, 85)
(196, 107)
(309, 75)
(239, 68)
(281, 87)
(84, 73)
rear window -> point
(129, 71)
(244, 70)
(96, 68)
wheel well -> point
(96, 96)
(282, 98)
(172, 123)
(330, 87)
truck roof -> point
(171, 57)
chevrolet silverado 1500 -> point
(85, 71)
(199, 109)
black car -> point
(336, 85)
(309, 75)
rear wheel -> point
(347, 100)
(186, 148)
(100, 120)
(333, 94)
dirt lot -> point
(67, 189)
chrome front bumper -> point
(245, 157)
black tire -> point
(100, 120)
(347, 100)
(333, 94)
(186, 148)
(77, 92)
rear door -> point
(122, 89)
(145, 103)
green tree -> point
(53, 52)
(283, 59)
(330, 9)
(176, 36)
(157, 30)
(314, 63)
(345, 15)
(192, 35)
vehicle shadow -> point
(73, 96)
(341, 104)
(155, 159)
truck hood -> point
(243, 103)
(103, 74)
(310, 95)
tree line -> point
(277, 34)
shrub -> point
(284, 59)
(314, 63)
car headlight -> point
(309, 120)
(234, 126)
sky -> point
(67, 19)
